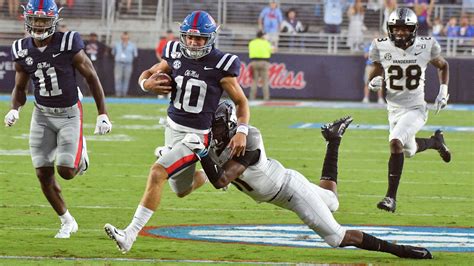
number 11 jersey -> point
(404, 70)
(51, 67)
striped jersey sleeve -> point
(17, 49)
(229, 64)
(71, 42)
(171, 48)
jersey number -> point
(412, 73)
(185, 103)
(51, 73)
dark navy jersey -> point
(197, 89)
(51, 70)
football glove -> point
(442, 99)
(12, 116)
(194, 143)
(103, 125)
(376, 83)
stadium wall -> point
(315, 77)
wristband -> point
(142, 82)
(243, 128)
(443, 90)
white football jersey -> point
(263, 180)
(404, 69)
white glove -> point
(103, 125)
(442, 99)
(11, 117)
(194, 143)
(376, 83)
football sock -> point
(424, 144)
(370, 242)
(329, 171)
(141, 217)
(395, 166)
(66, 217)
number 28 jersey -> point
(51, 69)
(404, 69)
(197, 90)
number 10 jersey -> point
(404, 70)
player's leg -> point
(434, 142)
(170, 164)
(332, 133)
(71, 155)
(43, 144)
(368, 242)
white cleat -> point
(124, 242)
(67, 229)
(85, 163)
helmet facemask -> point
(224, 126)
(398, 39)
(194, 52)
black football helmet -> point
(402, 17)
(224, 125)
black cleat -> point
(336, 129)
(387, 204)
(441, 146)
(415, 253)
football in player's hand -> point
(163, 76)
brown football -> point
(163, 76)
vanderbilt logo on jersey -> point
(176, 64)
(29, 61)
(23, 53)
(387, 56)
(175, 55)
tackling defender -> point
(50, 59)
(403, 58)
(266, 180)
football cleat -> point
(85, 163)
(67, 229)
(441, 146)
(387, 204)
(336, 129)
(122, 239)
(415, 253)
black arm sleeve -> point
(250, 158)
(213, 171)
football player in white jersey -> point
(402, 59)
(266, 180)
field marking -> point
(221, 210)
(151, 260)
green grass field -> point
(432, 193)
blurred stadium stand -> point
(146, 20)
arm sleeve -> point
(77, 43)
(234, 69)
(170, 48)
(374, 54)
(250, 158)
(435, 49)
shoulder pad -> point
(254, 139)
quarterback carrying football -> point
(402, 59)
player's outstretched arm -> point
(84, 65)
(235, 92)
(18, 95)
